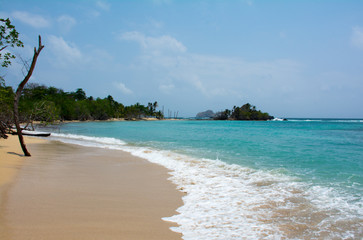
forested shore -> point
(49, 104)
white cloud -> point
(357, 37)
(64, 53)
(167, 88)
(248, 2)
(123, 88)
(33, 20)
(156, 44)
(66, 22)
(282, 34)
(199, 85)
(95, 13)
(154, 24)
(161, 2)
(103, 5)
(208, 77)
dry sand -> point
(70, 192)
(11, 156)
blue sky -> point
(289, 58)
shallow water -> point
(300, 179)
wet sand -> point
(70, 192)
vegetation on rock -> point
(245, 112)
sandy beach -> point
(71, 192)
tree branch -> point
(18, 93)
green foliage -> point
(6, 113)
(43, 103)
(222, 115)
(245, 112)
(80, 95)
(9, 37)
(44, 111)
(6, 95)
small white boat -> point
(35, 133)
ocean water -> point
(297, 179)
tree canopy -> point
(245, 112)
(47, 104)
(9, 37)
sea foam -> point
(103, 142)
(226, 201)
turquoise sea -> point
(295, 179)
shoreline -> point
(112, 120)
(68, 191)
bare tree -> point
(43, 111)
(18, 93)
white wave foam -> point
(221, 200)
(226, 201)
(104, 142)
(327, 120)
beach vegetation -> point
(9, 38)
(49, 104)
(80, 95)
(6, 110)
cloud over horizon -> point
(212, 76)
(197, 55)
(122, 87)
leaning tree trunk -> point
(18, 93)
